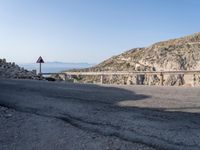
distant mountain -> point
(51, 67)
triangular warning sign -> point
(40, 60)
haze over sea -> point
(53, 67)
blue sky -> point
(90, 30)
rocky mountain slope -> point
(176, 54)
(11, 70)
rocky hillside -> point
(11, 70)
(176, 54)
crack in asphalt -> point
(73, 121)
(108, 129)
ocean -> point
(54, 67)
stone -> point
(8, 115)
(11, 70)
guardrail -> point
(105, 73)
(133, 72)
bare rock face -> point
(171, 55)
(11, 70)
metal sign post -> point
(40, 61)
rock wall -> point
(11, 70)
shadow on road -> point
(94, 108)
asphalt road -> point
(48, 115)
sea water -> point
(54, 67)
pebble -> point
(8, 115)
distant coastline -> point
(54, 67)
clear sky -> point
(90, 30)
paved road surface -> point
(46, 115)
